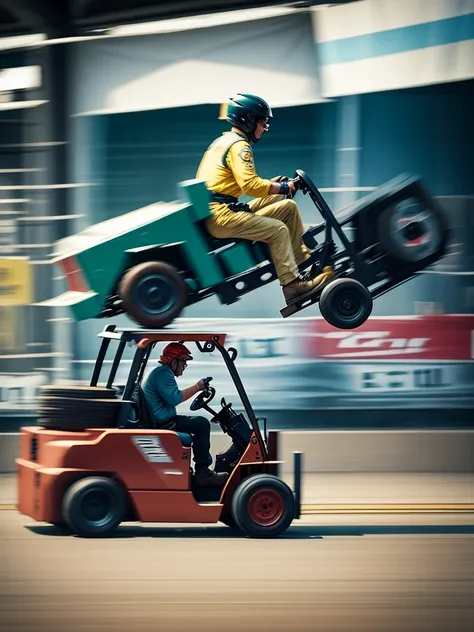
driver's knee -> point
(278, 232)
(290, 207)
(201, 425)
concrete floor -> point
(327, 573)
(369, 572)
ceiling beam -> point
(40, 16)
(88, 13)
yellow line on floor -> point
(361, 508)
(389, 508)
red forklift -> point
(90, 464)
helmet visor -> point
(264, 122)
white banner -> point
(273, 58)
(376, 45)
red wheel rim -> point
(266, 507)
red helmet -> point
(175, 350)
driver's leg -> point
(244, 225)
(200, 429)
(272, 231)
(287, 211)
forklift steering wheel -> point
(203, 398)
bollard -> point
(297, 459)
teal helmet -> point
(245, 111)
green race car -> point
(153, 262)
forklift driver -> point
(228, 169)
(162, 395)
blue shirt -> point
(162, 393)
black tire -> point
(78, 392)
(153, 294)
(79, 405)
(263, 506)
(94, 506)
(229, 521)
(60, 525)
(49, 423)
(345, 303)
(78, 416)
(400, 243)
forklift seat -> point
(186, 439)
(146, 417)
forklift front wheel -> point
(345, 303)
(263, 506)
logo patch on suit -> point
(246, 155)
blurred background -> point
(105, 106)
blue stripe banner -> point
(399, 40)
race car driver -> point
(228, 169)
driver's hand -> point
(201, 385)
(292, 192)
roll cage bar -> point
(146, 339)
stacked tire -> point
(75, 408)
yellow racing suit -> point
(228, 169)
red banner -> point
(434, 337)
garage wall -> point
(140, 157)
(427, 130)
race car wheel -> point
(345, 303)
(94, 506)
(411, 233)
(263, 506)
(153, 294)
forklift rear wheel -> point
(153, 294)
(263, 506)
(345, 303)
(94, 506)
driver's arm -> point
(240, 161)
(190, 391)
(168, 390)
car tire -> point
(77, 392)
(94, 506)
(79, 405)
(78, 415)
(345, 303)
(263, 506)
(153, 294)
(401, 246)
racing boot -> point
(308, 274)
(204, 477)
(303, 285)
